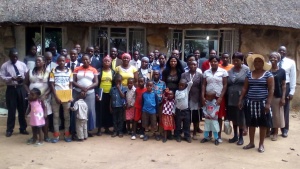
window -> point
(124, 39)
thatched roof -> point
(281, 13)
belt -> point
(15, 86)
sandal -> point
(249, 146)
(261, 149)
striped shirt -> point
(258, 88)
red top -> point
(138, 97)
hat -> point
(250, 62)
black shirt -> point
(279, 76)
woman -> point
(104, 116)
(144, 70)
(38, 78)
(172, 73)
(161, 66)
(278, 100)
(236, 78)
(85, 81)
(259, 88)
(215, 80)
(194, 94)
(126, 70)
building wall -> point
(265, 41)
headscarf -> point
(124, 54)
(107, 57)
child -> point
(61, 78)
(210, 111)
(149, 109)
(38, 113)
(138, 107)
(116, 104)
(81, 109)
(168, 110)
(130, 99)
(158, 88)
(183, 113)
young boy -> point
(116, 104)
(61, 78)
(210, 111)
(158, 88)
(81, 113)
(183, 113)
(138, 107)
(150, 109)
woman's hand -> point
(282, 102)
(219, 101)
(203, 101)
(240, 105)
(267, 108)
(83, 94)
(58, 101)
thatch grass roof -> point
(243, 12)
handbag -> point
(227, 127)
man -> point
(73, 60)
(152, 61)
(29, 60)
(115, 60)
(136, 62)
(175, 53)
(97, 52)
(78, 48)
(156, 54)
(64, 52)
(13, 74)
(225, 62)
(206, 65)
(290, 70)
(97, 64)
(53, 50)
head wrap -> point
(107, 57)
(124, 54)
(146, 59)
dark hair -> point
(225, 53)
(189, 56)
(52, 44)
(142, 78)
(12, 51)
(179, 68)
(161, 54)
(238, 55)
(34, 70)
(36, 91)
(117, 76)
(214, 57)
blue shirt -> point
(158, 88)
(55, 57)
(157, 67)
(116, 99)
(150, 103)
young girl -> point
(210, 111)
(138, 107)
(130, 99)
(168, 111)
(38, 113)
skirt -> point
(255, 114)
(222, 110)
(129, 115)
(106, 116)
(235, 115)
(277, 113)
(211, 125)
(167, 122)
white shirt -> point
(81, 109)
(290, 71)
(214, 82)
(186, 69)
(182, 97)
(136, 64)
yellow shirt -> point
(126, 73)
(106, 81)
(113, 64)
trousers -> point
(182, 116)
(81, 128)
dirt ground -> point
(107, 152)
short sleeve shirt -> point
(126, 73)
(215, 81)
(82, 109)
(85, 77)
(61, 79)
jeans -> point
(118, 119)
(182, 116)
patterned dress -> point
(37, 118)
(130, 100)
(167, 118)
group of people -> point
(149, 96)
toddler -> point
(130, 99)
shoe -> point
(220, 140)
(233, 140)
(30, 141)
(204, 140)
(133, 137)
(141, 136)
(8, 134)
(145, 138)
(55, 140)
(274, 138)
(38, 144)
(170, 137)
(217, 142)
(189, 140)
(199, 130)
(74, 137)
(99, 133)
(249, 146)
(240, 142)
(164, 140)
(68, 139)
(24, 132)
(261, 149)
(178, 139)
(48, 140)
(114, 134)
(79, 140)
(157, 137)
(284, 134)
(120, 135)
(90, 135)
(107, 131)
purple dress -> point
(36, 114)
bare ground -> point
(107, 152)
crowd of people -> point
(149, 96)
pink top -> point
(36, 113)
